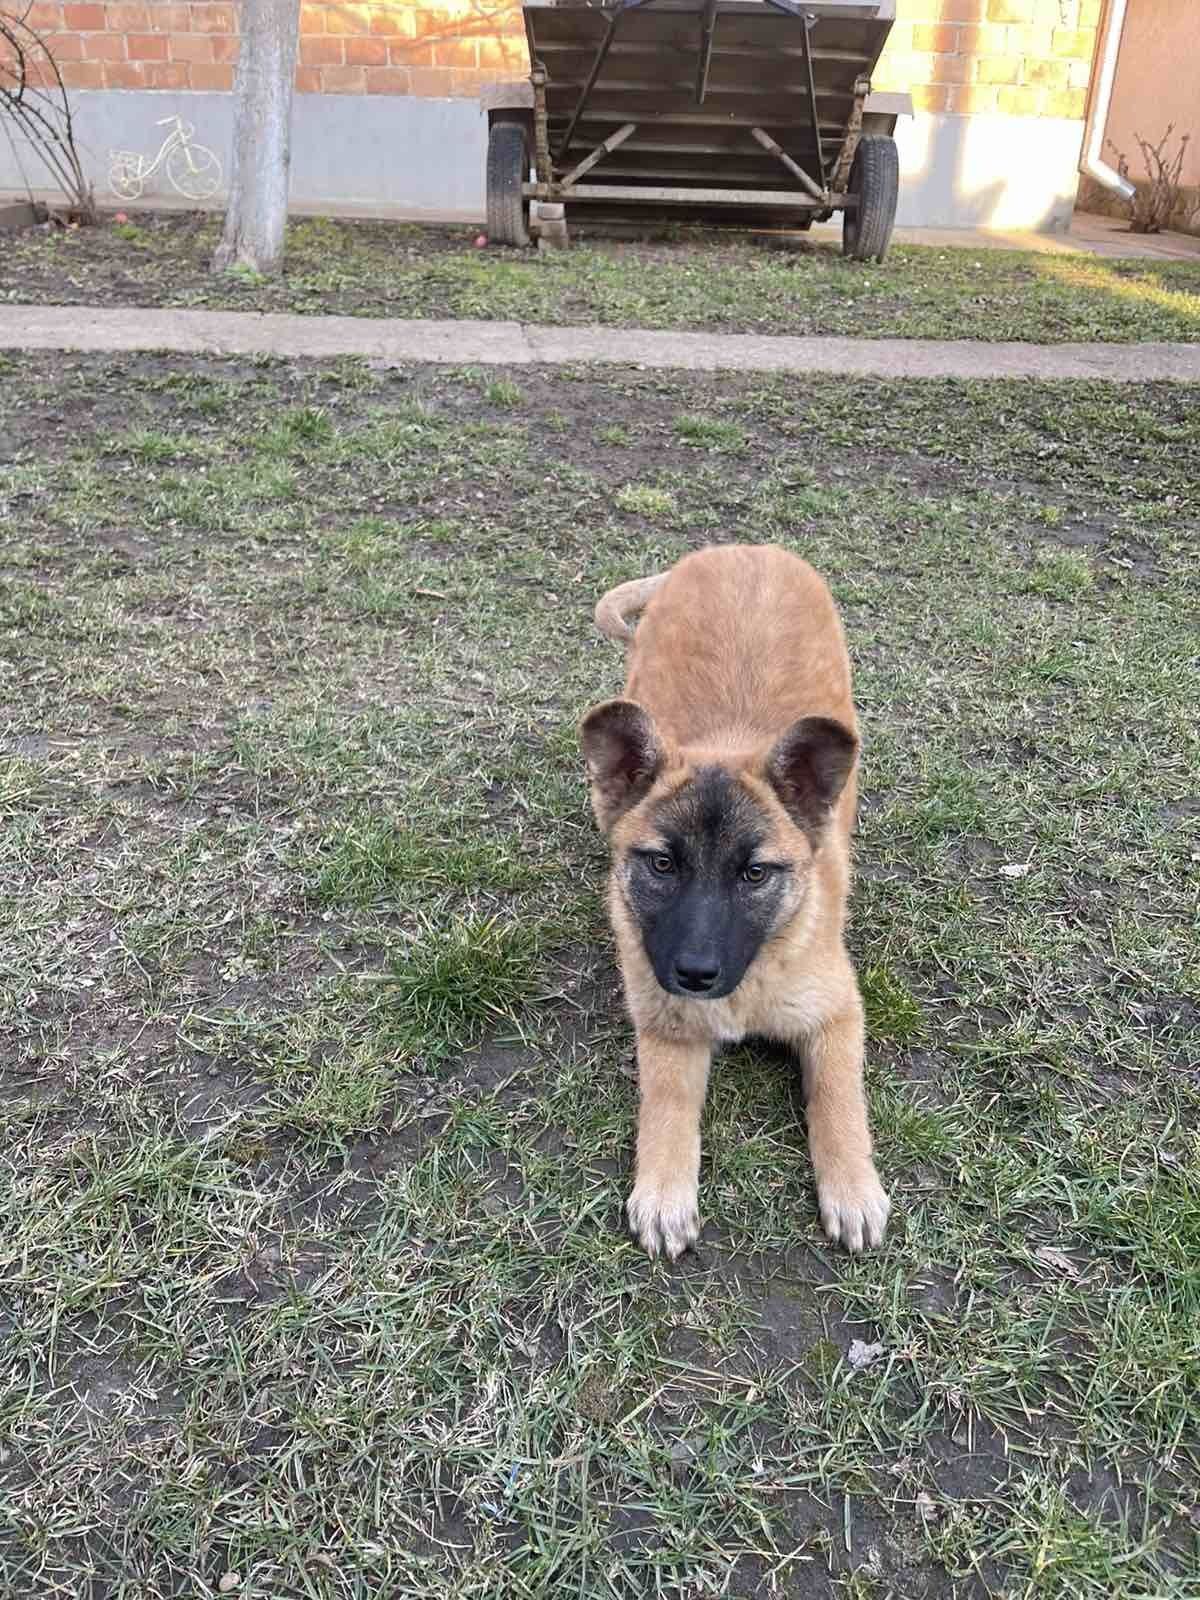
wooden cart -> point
(697, 110)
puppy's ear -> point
(808, 769)
(623, 756)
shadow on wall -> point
(945, 162)
(986, 169)
(461, 35)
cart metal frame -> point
(776, 132)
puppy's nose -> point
(696, 974)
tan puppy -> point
(725, 781)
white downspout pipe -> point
(1093, 139)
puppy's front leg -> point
(853, 1205)
(672, 1079)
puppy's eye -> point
(662, 864)
(755, 874)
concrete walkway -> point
(1088, 235)
(390, 342)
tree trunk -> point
(258, 179)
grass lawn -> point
(315, 1091)
(722, 283)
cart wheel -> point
(875, 179)
(507, 170)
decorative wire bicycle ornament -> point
(193, 170)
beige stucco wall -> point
(1158, 81)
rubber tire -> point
(875, 179)
(507, 170)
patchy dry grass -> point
(315, 1088)
(720, 282)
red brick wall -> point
(1026, 57)
(400, 47)
(408, 48)
(154, 44)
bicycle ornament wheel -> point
(194, 171)
(125, 175)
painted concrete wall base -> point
(389, 155)
(988, 171)
(368, 153)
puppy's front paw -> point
(664, 1217)
(854, 1208)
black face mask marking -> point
(701, 903)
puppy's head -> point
(711, 856)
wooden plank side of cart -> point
(756, 78)
(514, 96)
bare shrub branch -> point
(34, 99)
(1157, 201)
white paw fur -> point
(664, 1217)
(853, 1206)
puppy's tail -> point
(620, 607)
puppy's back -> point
(736, 644)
